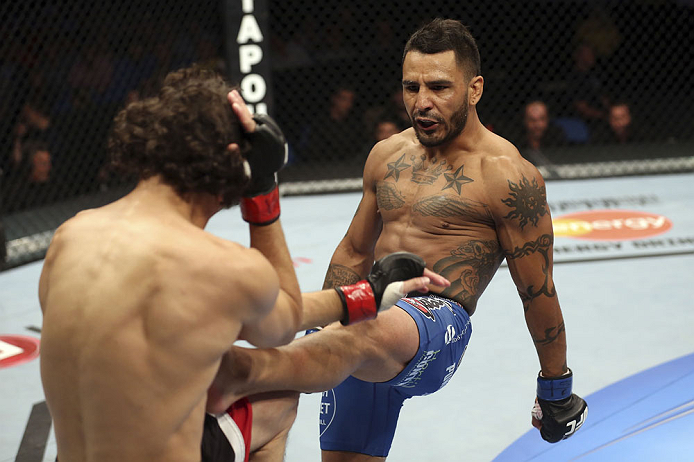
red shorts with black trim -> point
(227, 437)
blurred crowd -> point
(336, 93)
(60, 94)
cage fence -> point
(584, 89)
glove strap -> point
(358, 302)
(262, 209)
(554, 389)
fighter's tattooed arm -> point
(551, 335)
(524, 227)
(542, 246)
(339, 275)
(527, 200)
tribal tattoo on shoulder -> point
(528, 201)
(339, 275)
(540, 245)
(470, 268)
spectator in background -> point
(333, 136)
(33, 185)
(382, 130)
(619, 128)
(385, 129)
(394, 109)
(93, 70)
(585, 90)
(131, 69)
(33, 124)
(538, 133)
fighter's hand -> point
(390, 279)
(421, 284)
(242, 112)
(557, 412)
(266, 156)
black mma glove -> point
(381, 288)
(561, 412)
(260, 204)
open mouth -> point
(427, 124)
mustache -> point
(426, 115)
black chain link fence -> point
(582, 88)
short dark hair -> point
(182, 135)
(443, 35)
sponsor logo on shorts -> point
(451, 337)
(611, 225)
(327, 410)
(426, 305)
(17, 349)
(415, 375)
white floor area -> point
(625, 310)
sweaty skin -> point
(139, 305)
(135, 324)
(463, 202)
(450, 191)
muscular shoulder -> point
(502, 163)
(508, 176)
(240, 273)
(387, 151)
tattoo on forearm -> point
(470, 267)
(339, 275)
(551, 334)
(447, 206)
(388, 197)
(527, 200)
(542, 246)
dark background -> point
(66, 68)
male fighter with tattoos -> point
(462, 198)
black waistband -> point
(416, 293)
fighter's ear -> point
(475, 90)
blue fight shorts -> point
(361, 417)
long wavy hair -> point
(182, 134)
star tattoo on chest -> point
(456, 179)
(394, 168)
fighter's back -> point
(137, 313)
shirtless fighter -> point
(464, 199)
(140, 303)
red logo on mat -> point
(611, 225)
(17, 349)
